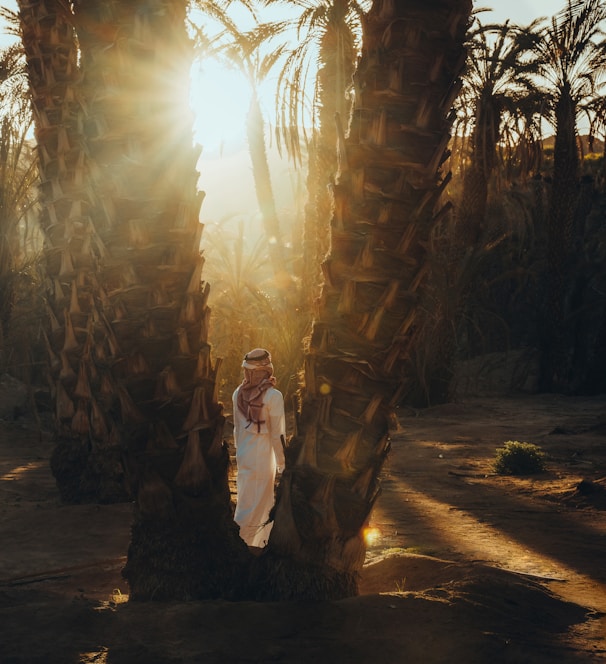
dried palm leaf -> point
(58, 294)
(351, 555)
(322, 502)
(154, 497)
(98, 424)
(215, 450)
(74, 304)
(70, 342)
(183, 342)
(67, 374)
(372, 408)
(284, 534)
(82, 389)
(193, 474)
(67, 265)
(204, 365)
(137, 232)
(161, 438)
(347, 452)
(80, 423)
(196, 278)
(54, 323)
(64, 406)
(366, 479)
(137, 364)
(188, 312)
(197, 418)
(308, 455)
(204, 325)
(53, 360)
(101, 350)
(130, 414)
(167, 385)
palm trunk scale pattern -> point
(130, 362)
(386, 204)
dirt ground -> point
(463, 565)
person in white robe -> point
(259, 430)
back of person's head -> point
(258, 358)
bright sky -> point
(522, 12)
(220, 97)
(216, 122)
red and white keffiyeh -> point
(258, 378)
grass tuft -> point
(516, 458)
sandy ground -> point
(463, 565)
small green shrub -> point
(516, 458)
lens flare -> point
(372, 535)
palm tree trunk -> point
(86, 465)
(336, 67)
(264, 191)
(555, 370)
(471, 209)
(159, 377)
(134, 374)
(385, 208)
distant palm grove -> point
(453, 207)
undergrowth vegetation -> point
(519, 458)
(249, 310)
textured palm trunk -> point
(555, 370)
(134, 374)
(159, 379)
(471, 209)
(336, 58)
(386, 204)
(471, 229)
(86, 464)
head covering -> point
(257, 358)
(258, 378)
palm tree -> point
(386, 205)
(133, 368)
(572, 58)
(135, 389)
(249, 310)
(237, 298)
(328, 34)
(17, 172)
(521, 145)
(65, 220)
(497, 81)
(497, 115)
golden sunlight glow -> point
(18, 473)
(486, 542)
(219, 99)
(325, 388)
(372, 535)
(98, 657)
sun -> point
(219, 99)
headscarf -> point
(258, 378)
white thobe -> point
(259, 452)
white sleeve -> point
(234, 400)
(277, 424)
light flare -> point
(372, 535)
